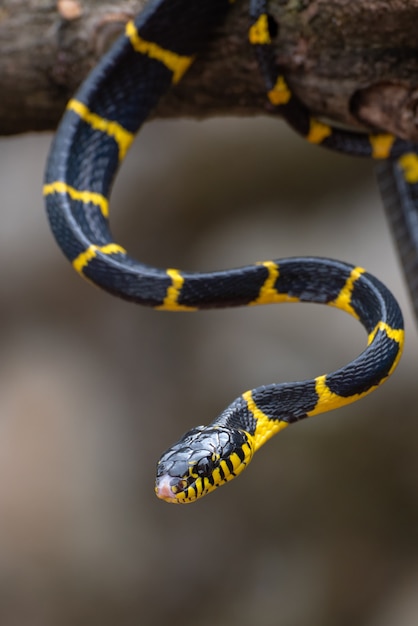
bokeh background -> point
(322, 530)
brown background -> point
(322, 530)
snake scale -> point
(100, 122)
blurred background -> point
(322, 530)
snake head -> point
(204, 458)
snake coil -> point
(97, 129)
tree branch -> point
(353, 62)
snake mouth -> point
(180, 490)
(164, 490)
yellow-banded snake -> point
(100, 122)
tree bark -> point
(353, 62)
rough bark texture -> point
(353, 62)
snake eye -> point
(205, 466)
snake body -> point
(96, 131)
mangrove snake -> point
(98, 127)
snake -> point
(99, 124)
